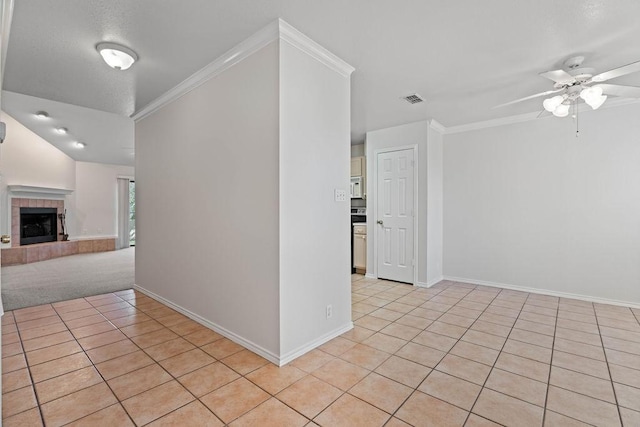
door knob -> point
(5, 238)
(380, 222)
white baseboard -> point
(544, 292)
(219, 329)
(429, 283)
(370, 276)
(315, 343)
(271, 357)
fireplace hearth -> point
(38, 225)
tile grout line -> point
(396, 299)
(449, 352)
(393, 415)
(483, 386)
(514, 327)
(33, 384)
(553, 345)
(495, 296)
(499, 351)
(96, 369)
(216, 360)
(606, 360)
(155, 362)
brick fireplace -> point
(17, 203)
(24, 254)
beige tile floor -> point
(455, 354)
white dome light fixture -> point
(116, 56)
(42, 115)
(80, 144)
(593, 96)
(551, 104)
(561, 110)
(62, 131)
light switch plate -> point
(341, 195)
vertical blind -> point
(123, 213)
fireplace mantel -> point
(29, 191)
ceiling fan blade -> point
(543, 113)
(617, 72)
(537, 95)
(558, 76)
(618, 90)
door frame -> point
(416, 165)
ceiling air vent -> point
(413, 99)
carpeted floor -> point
(67, 278)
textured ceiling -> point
(463, 57)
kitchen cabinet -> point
(358, 166)
(359, 172)
(360, 247)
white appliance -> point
(356, 187)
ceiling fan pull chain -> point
(575, 105)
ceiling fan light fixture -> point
(551, 104)
(597, 102)
(116, 56)
(591, 93)
(561, 110)
(593, 96)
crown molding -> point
(437, 126)
(5, 24)
(277, 29)
(502, 121)
(230, 58)
(313, 49)
(619, 102)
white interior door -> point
(395, 215)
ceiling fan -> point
(575, 82)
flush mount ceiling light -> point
(117, 56)
(62, 131)
(42, 115)
(80, 144)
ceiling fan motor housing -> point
(574, 62)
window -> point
(132, 213)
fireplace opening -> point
(38, 225)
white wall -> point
(412, 134)
(96, 210)
(530, 205)
(435, 152)
(28, 159)
(207, 223)
(314, 229)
